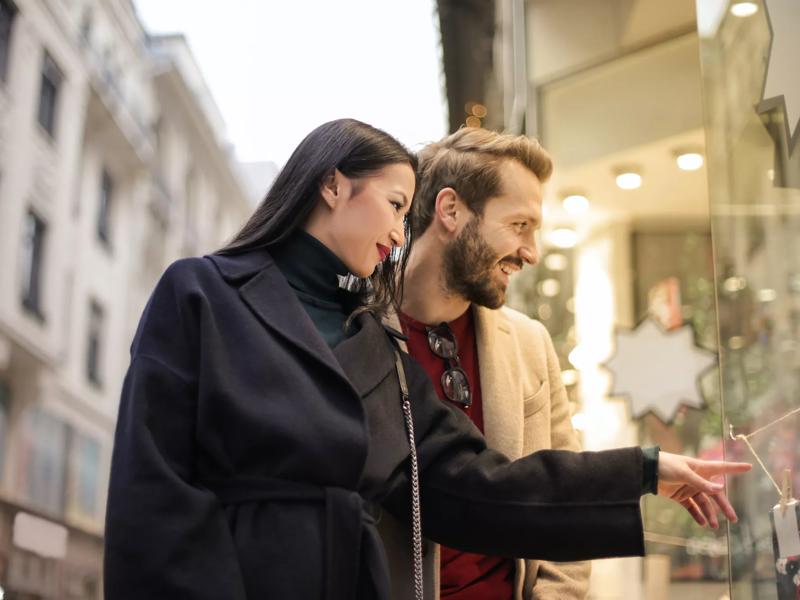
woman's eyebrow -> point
(402, 194)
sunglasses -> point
(455, 384)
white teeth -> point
(508, 269)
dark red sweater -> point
(464, 576)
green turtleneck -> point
(313, 271)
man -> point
(475, 214)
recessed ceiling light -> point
(549, 287)
(629, 180)
(744, 9)
(544, 312)
(563, 238)
(569, 376)
(555, 261)
(766, 295)
(689, 161)
(576, 204)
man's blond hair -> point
(468, 161)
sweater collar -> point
(310, 267)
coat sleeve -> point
(564, 580)
(165, 536)
(553, 504)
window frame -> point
(7, 7)
(35, 232)
(51, 79)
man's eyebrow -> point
(528, 216)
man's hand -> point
(687, 481)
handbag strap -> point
(416, 519)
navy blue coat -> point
(251, 460)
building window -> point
(5, 408)
(86, 27)
(104, 209)
(48, 94)
(94, 343)
(32, 267)
(7, 13)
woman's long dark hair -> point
(356, 150)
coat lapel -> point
(501, 392)
(367, 356)
(264, 289)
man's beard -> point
(469, 268)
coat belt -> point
(346, 513)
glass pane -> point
(751, 71)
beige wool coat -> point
(525, 408)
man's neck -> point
(425, 296)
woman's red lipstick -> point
(384, 251)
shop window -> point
(84, 476)
(104, 209)
(7, 13)
(41, 461)
(32, 263)
(674, 286)
(94, 343)
(48, 94)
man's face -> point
(490, 248)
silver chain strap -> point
(416, 518)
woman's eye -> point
(397, 205)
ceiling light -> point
(563, 238)
(734, 284)
(556, 261)
(689, 161)
(549, 287)
(744, 9)
(576, 204)
(629, 180)
(766, 295)
(569, 376)
(544, 311)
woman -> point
(261, 430)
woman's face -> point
(362, 219)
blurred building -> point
(113, 163)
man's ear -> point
(330, 188)
(447, 208)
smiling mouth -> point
(508, 268)
(384, 251)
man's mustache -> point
(514, 260)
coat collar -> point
(235, 267)
(367, 356)
(361, 361)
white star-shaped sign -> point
(782, 80)
(658, 370)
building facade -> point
(113, 163)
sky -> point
(277, 69)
